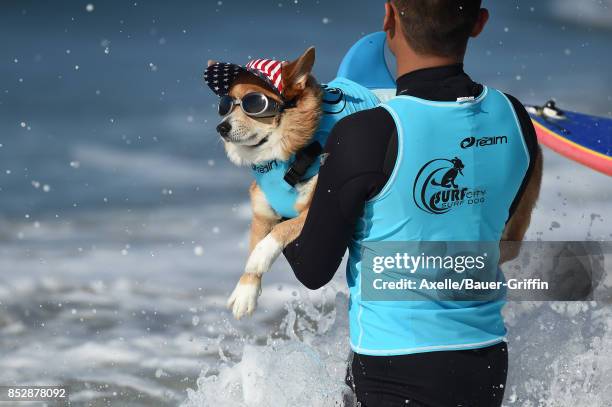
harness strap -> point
(303, 160)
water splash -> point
(304, 366)
(559, 354)
(559, 358)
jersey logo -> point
(483, 142)
(264, 168)
(437, 187)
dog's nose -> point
(224, 128)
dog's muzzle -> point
(224, 129)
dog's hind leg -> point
(243, 299)
(267, 250)
(268, 239)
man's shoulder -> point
(366, 121)
(359, 142)
(516, 104)
(521, 111)
(527, 128)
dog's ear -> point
(211, 62)
(296, 73)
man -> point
(437, 355)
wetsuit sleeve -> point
(531, 140)
(360, 156)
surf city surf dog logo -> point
(437, 187)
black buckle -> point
(303, 160)
(292, 177)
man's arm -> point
(524, 203)
(356, 168)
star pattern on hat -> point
(220, 76)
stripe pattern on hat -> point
(271, 69)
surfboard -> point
(366, 63)
(580, 137)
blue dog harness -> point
(459, 168)
(277, 179)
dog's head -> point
(250, 139)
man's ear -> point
(390, 26)
(483, 17)
(389, 21)
(296, 73)
(211, 62)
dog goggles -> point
(253, 104)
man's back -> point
(458, 169)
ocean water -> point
(123, 228)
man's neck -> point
(410, 62)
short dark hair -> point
(438, 27)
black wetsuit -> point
(465, 378)
(362, 152)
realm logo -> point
(264, 168)
(483, 142)
(436, 189)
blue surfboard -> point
(580, 137)
(367, 63)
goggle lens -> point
(226, 104)
(254, 103)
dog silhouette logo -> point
(448, 179)
(437, 187)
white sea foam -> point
(126, 321)
(154, 167)
(588, 12)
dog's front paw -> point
(243, 300)
(263, 255)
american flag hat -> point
(220, 76)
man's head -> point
(439, 28)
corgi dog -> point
(275, 119)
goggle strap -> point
(290, 104)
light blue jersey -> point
(341, 97)
(459, 168)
